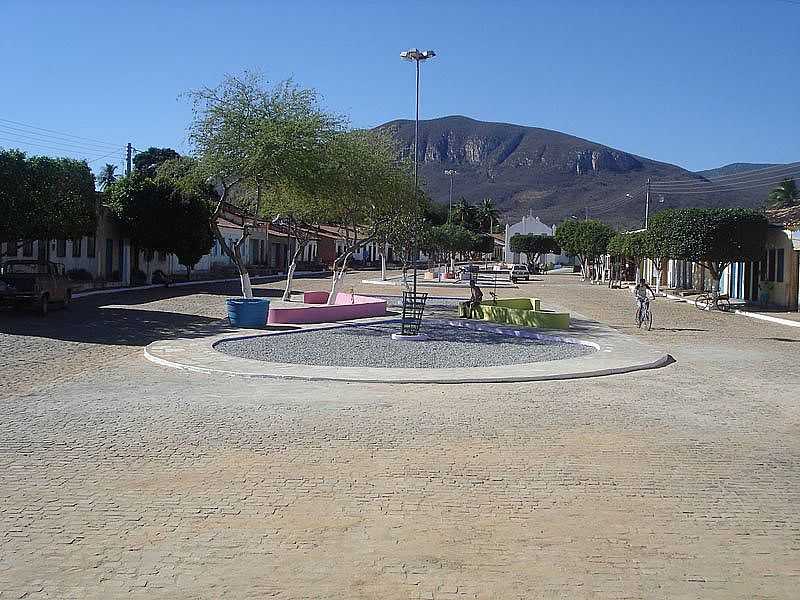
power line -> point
(83, 152)
(34, 138)
(58, 132)
(732, 176)
(727, 186)
(717, 190)
(101, 157)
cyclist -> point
(640, 291)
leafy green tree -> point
(107, 176)
(43, 198)
(487, 215)
(256, 139)
(160, 215)
(586, 240)
(482, 244)
(785, 195)
(147, 162)
(533, 245)
(364, 190)
(450, 239)
(711, 237)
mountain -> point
(551, 173)
(735, 169)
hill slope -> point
(735, 169)
(554, 174)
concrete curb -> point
(616, 353)
(763, 317)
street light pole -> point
(417, 56)
(647, 205)
(452, 174)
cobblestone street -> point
(122, 479)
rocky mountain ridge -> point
(554, 174)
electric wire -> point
(26, 125)
(733, 176)
(35, 138)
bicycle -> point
(644, 316)
(705, 301)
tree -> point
(147, 162)
(107, 176)
(465, 214)
(487, 214)
(785, 195)
(711, 237)
(366, 189)
(256, 139)
(451, 239)
(191, 210)
(160, 214)
(533, 245)
(482, 244)
(587, 240)
(43, 198)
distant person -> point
(475, 297)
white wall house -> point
(530, 225)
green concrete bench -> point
(516, 311)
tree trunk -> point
(188, 273)
(383, 265)
(287, 293)
(338, 275)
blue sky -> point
(698, 83)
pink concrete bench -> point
(346, 307)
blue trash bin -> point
(247, 312)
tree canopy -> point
(163, 214)
(533, 245)
(147, 162)
(43, 198)
(585, 239)
(712, 237)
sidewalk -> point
(790, 319)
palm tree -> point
(463, 213)
(107, 176)
(488, 214)
(786, 194)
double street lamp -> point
(417, 56)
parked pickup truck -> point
(34, 283)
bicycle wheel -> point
(702, 301)
(724, 305)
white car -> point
(520, 272)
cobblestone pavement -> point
(121, 479)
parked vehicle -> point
(520, 272)
(34, 283)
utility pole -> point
(128, 159)
(647, 204)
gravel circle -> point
(372, 346)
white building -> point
(530, 225)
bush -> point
(79, 275)
(139, 278)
